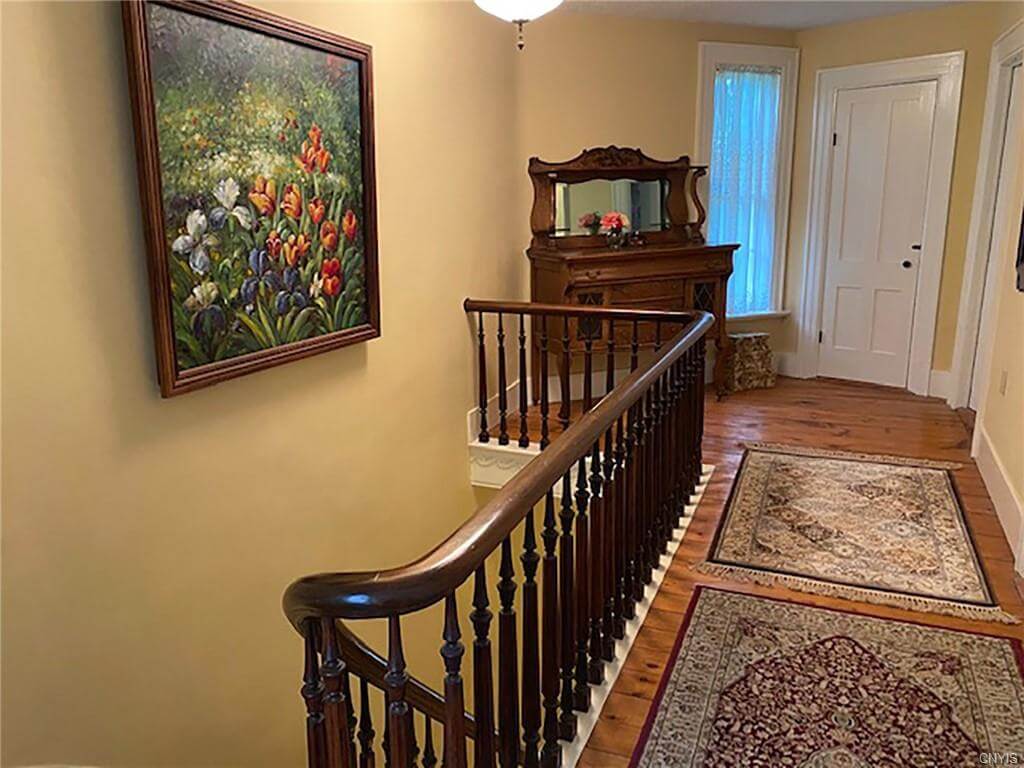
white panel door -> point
(880, 165)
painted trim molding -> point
(1009, 506)
(938, 384)
(946, 70)
(1007, 52)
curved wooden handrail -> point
(428, 580)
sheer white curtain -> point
(744, 167)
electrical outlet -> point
(1003, 378)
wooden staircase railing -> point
(609, 492)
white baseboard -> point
(786, 364)
(1009, 506)
(940, 384)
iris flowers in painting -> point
(261, 182)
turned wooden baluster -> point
(429, 755)
(454, 701)
(350, 711)
(336, 721)
(483, 680)
(658, 516)
(595, 569)
(566, 372)
(485, 434)
(674, 449)
(670, 413)
(385, 745)
(399, 714)
(545, 438)
(531, 647)
(581, 689)
(566, 581)
(663, 464)
(686, 421)
(313, 694)
(679, 410)
(698, 433)
(552, 752)
(639, 487)
(508, 663)
(367, 758)
(679, 443)
(620, 607)
(610, 526)
(631, 490)
(648, 554)
(657, 458)
(524, 432)
(502, 385)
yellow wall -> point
(147, 542)
(971, 27)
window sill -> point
(778, 315)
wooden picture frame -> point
(343, 289)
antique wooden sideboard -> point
(664, 262)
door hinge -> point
(835, 138)
(821, 336)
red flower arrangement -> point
(614, 221)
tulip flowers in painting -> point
(255, 150)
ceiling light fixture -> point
(518, 12)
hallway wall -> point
(146, 542)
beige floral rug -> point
(763, 683)
(882, 529)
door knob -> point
(907, 264)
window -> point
(746, 104)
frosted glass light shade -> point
(517, 10)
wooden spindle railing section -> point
(586, 521)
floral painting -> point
(266, 241)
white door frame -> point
(946, 70)
(1007, 51)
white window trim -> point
(710, 56)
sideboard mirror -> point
(658, 198)
(579, 205)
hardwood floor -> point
(820, 413)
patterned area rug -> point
(881, 529)
(762, 683)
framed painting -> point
(254, 141)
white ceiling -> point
(787, 14)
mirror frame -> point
(613, 163)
